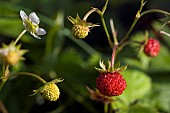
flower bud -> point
(11, 54)
(11, 58)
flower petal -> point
(40, 31)
(23, 15)
(34, 18)
(36, 36)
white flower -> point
(31, 24)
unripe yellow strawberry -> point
(80, 31)
(51, 92)
(11, 58)
(81, 27)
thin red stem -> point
(113, 55)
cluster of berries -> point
(110, 82)
(113, 83)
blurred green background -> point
(59, 54)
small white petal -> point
(36, 36)
(34, 18)
(40, 31)
(23, 15)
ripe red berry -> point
(152, 47)
(111, 84)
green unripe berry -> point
(80, 31)
(51, 92)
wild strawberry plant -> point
(110, 84)
(118, 86)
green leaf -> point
(160, 97)
(139, 37)
(94, 59)
(138, 85)
(10, 27)
(142, 109)
(161, 62)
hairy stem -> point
(165, 33)
(105, 7)
(106, 31)
(113, 32)
(88, 13)
(113, 55)
(154, 11)
(101, 13)
(29, 74)
(20, 35)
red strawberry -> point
(110, 84)
(152, 47)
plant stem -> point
(88, 13)
(129, 31)
(5, 69)
(105, 7)
(29, 74)
(113, 32)
(138, 16)
(165, 33)
(106, 31)
(155, 11)
(20, 35)
(113, 55)
(101, 13)
(3, 108)
(3, 80)
(106, 105)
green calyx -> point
(104, 68)
(47, 85)
(81, 27)
(79, 21)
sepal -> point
(122, 68)
(97, 96)
(117, 66)
(109, 68)
(50, 90)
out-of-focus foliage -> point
(59, 54)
